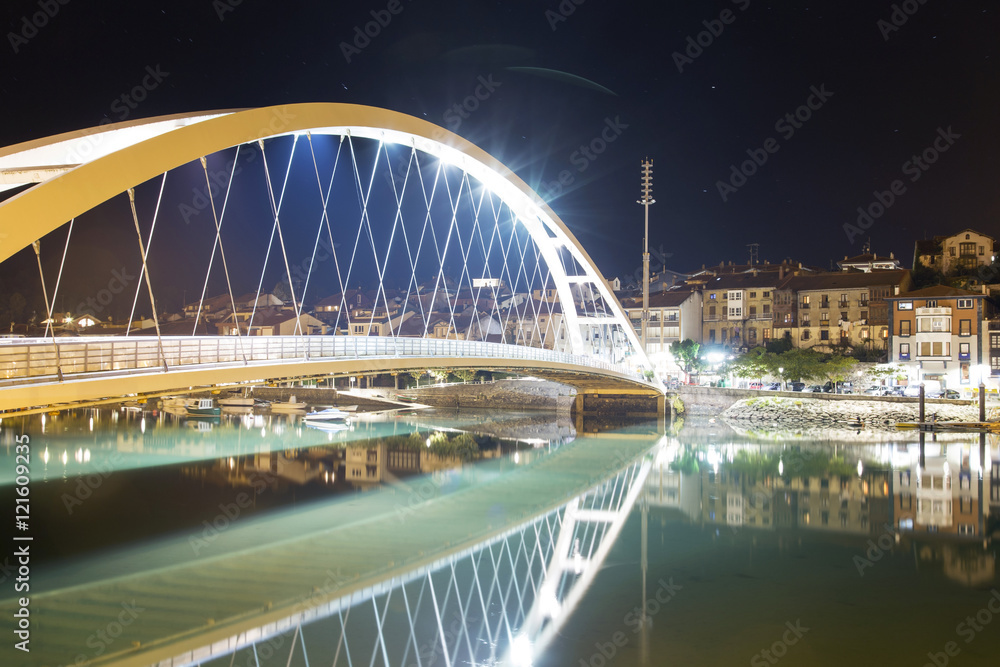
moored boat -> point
(291, 405)
(206, 407)
(329, 414)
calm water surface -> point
(701, 546)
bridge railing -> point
(34, 359)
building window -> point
(805, 334)
(712, 296)
(931, 303)
(753, 295)
(805, 319)
(845, 337)
(864, 333)
(766, 295)
(884, 333)
(711, 335)
(951, 251)
(824, 319)
(753, 311)
(904, 351)
(766, 308)
(965, 327)
(788, 318)
(805, 301)
(824, 301)
(765, 334)
(843, 301)
(711, 311)
(965, 304)
(967, 249)
(824, 334)
(864, 315)
(981, 249)
(843, 316)
(963, 351)
(935, 349)
(904, 327)
(904, 305)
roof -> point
(666, 299)
(937, 291)
(741, 281)
(834, 280)
(867, 258)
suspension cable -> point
(222, 252)
(277, 223)
(37, 245)
(62, 264)
(142, 269)
(149, 284)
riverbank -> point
(806, 411)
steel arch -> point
(86, 168)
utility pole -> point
(647, 199)
(754, 256)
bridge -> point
(414, 248)
(473, 576)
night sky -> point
(556, 75)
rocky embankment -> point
(815, 412)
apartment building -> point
(937, 334)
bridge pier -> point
(632, 404)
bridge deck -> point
(43, 373)
(195, 604)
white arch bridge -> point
(392, 245)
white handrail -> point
(93, 356)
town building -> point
(674, 315)
(937, 334)
(968, 249)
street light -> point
(781, 374)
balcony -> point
(843, 304)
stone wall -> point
(803, 411)
(712, 401)
(513, 394)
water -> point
(704, 546)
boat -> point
(291, 405)
(236, 402)
(329, 414)
(177, 402)
(329, 427)
(206, 407)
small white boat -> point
(236, 402)
(291, 405)
(177, 402)
(206, 408)
(330, 414)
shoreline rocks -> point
(814, 412)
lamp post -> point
(646, 200)
(781, 375)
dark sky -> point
(887, 93)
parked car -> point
(773, 386)
(814, 388)
(876, 390)
(911, 390)
(796, 386)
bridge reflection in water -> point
(476, 576)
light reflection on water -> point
(737, 544)
(882, 547)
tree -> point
(465, 374)
(755, 364)
(838, 368)
(798, 364)
(924, 276)
(416, 375)
(685, 352)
